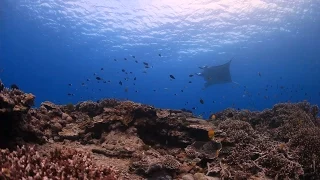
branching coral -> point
(237, 131)
(206, 150)
(307, 143)
(26, 162)
(276, 165)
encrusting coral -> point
(141, 141)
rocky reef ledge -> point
(112, 139)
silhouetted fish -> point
(172, 77)
(201, 101)
(120, 83)
(98, 78)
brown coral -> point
(306, 142)
(171, 163)
(237, 131)
(26, 162)
(281, 142)
(206, 150)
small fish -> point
(88, 79)
(114, 59)
(145, 63)
(120, 83)
(98, 78)
(160, 55)
(259, 74)
(133, 56)
(104, 81)
(190, 75)
(70, 84)
(212, 117)
(211, 134)
(181, 90)
(134, 78)
(172, 77)
(190, 81)
(101, 69)
(147, 67)
(194, 108)
(123, 70)
(82, 84)
(136, 61)
(201, 101)
(125, 59)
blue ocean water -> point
(55, 49)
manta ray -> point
(216, 74)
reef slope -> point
(112, 139)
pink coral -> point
(27, 162)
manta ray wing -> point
(217, 74)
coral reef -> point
(26, 162)
(14, 105)
(114, 139)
